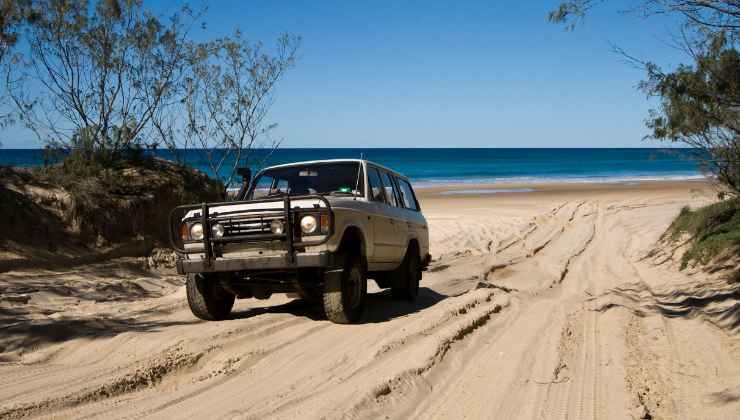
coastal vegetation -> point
(47, 212)
(699, 106)
(11, 16)
(713, 231)
(101, 82)
(108, 78)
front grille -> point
(249, 225)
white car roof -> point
(317, 162)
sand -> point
(544, 304)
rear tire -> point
(207, 299)
(345, 291)
(406, 277)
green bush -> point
(118, 199)
(713, 230)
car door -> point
(415, 221)
(381, 221)
(396, 216)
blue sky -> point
(447, 73)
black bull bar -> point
(288, 236)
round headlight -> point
(308, 224)
(276, 227)
(196, 231)
(217, 230)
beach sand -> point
(553, 303)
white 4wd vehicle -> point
(319, 229)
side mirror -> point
(246, 175)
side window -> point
(390, 189)
(262, 187)
(407, 194)
(376, 187)
(281, 186)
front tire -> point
(345, 291)
(207, 299)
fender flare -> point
(353, 229)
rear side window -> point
(407, 194)
(390, 189)
(376, 187)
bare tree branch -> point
(230, 94)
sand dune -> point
(549, 304)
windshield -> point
(344, 178)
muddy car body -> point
(319, 229)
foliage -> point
(713, 230)
(700, 106)
(13, 13)
(700, 102)
(228, 98)
(710, 15)
(105, 70)
(116, 79)
(121, 201)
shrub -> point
(713, 230)
(114, 200)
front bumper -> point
(273, 262)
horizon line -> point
(408, 148)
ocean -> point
(428, 167)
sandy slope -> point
(538, 305)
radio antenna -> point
(359, 170)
